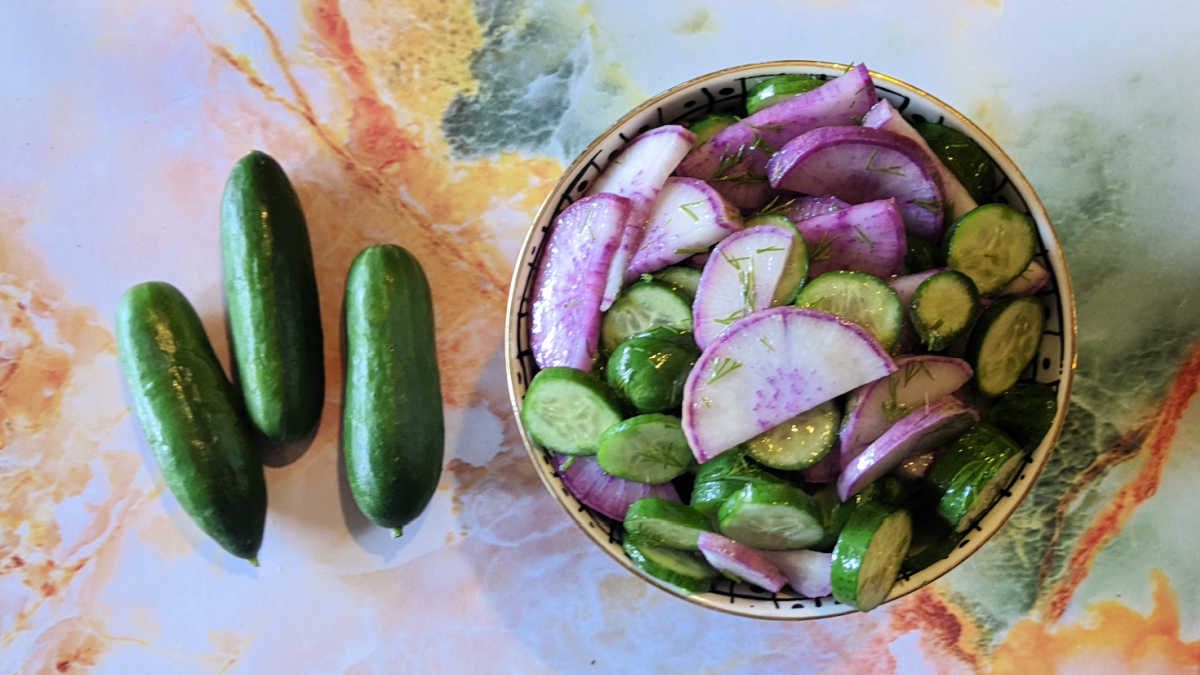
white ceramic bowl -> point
(725, 91)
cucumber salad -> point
(786, 348)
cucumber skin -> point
(393, 430)
(851, 548)
(191, 417)
(969, 463)
(271, 290)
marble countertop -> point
(441, 126)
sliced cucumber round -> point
(645, 449)
(666, 523)
(683, 280)
(1004, 342)
(932, 541)
(862, 298)
(778, 89)
(643, 306)
(708, 496)
(992, 244)
(772, 517)
(722, 476)
(868, 554)
(972, 473)
(943, 307)
(827, 503)
(567, 410)
(678, 568)
(799, 442)
(707, 127)
(965, 159)
(1026, 412)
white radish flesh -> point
(770, 367)
(688, 218)
(637, 174)
(918, 380)
(807, 572)
(570, 283)
(743, 562)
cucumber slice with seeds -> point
(775, 517)
(859, 297)
(1004, 342)
(868, 554)
(972, 473)
(567, 410)
(641, 307)
(666, 523)
(943, 307)
(682, 570)
(645, 449)
(799, 442)
(683, 280)
(992, 244)
(1026, 412)
(722, 476)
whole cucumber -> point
(191, 417)
(393, 430)
(271, 289)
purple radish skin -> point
(740, 278)
(906, 285)
(570, 283)
(923, 429)
(688, 218)
(860, 165)
(803, 208)
(738, 154)
(1033, 279)
(607, 494)
(917, 381)
(807, 572)
(743, 562)
(770, 367)
(866, 237)
(637, 174)
(883, 116)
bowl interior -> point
(725, 91)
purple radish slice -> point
(746, 196)
(738, 154)
(638, 173)
(747, 272)
(688, 218)
(906, 285)
(917, 381)
(927, 427)
(770, 367)
(803, 208)
(807, 572)
(1033, 279)
(883, 116)
(866, 237)
(862, 165)
(826, 470)
(604, 493)
(915, 467)
(570, 283)
(743, 562)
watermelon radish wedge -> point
(570, 283)
(638, 174)
(803, 208)
(770, 367)
(688, 217)
(866, 237)
(918, 380)
(926, 428)
(747, 272)
(859, 165)
(807, 572)
(741, 561)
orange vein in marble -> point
(1113, 517)
(945, 628)
(1122, 450)
(1113, 638)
